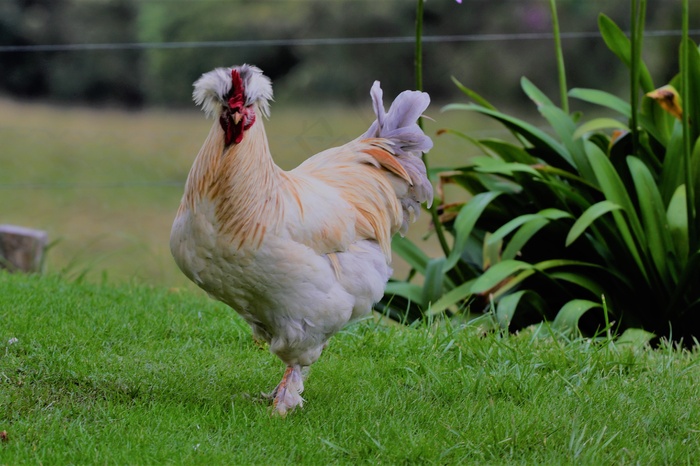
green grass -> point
(138, 375)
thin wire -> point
(324, 1)
(268, 43)
(79, 185)
(318, 41)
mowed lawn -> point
(128, 374)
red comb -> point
(237, 99)
(233, 132)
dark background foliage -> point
(141, 75)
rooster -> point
(298, 254)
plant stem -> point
(637, 34)
(685, 98)
(560, 57)
(418, 62)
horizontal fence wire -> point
(332, 41)
(80, 185)
(317, 41)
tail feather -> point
(399, 127)
(399, 124)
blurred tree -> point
(169, 73)
(91, 76)
(488, 62)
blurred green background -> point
(490, 45)
(97, 132)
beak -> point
(237, 117)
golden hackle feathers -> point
(355, 170)
(362, 190)
(383, 154)
(231, 178)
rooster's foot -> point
(287, 395)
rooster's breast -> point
(292, 295)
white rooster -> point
(298, 253)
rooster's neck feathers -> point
(212, 89)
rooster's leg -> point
(287, 395)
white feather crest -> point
(212, 88)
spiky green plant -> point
(592, 223)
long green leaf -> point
(565, 128)
(506, 275)
(620, 45)
(491, 165)
(603, 99)
(409, 291)
(598, 124)
(491, 251)
(538, 138)
(629, 226)
(434, 280)
(506, 307)
(689, 90)
(510, 226)
(508, 152)
(695, 167)
(522, 236)
(464, 223)
(673, 173)
(411, 253)
(568, 316)
(614, 189)
(693, 104)
(582, 280)
(589, 216)
(499, 273)
(677, 216)
(559, 186)
(655, 120)
(452, 297)
(653, 216)
(635, 337)
(537, 96)
(473, 95)
(563, 125)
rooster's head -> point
(233, 95)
